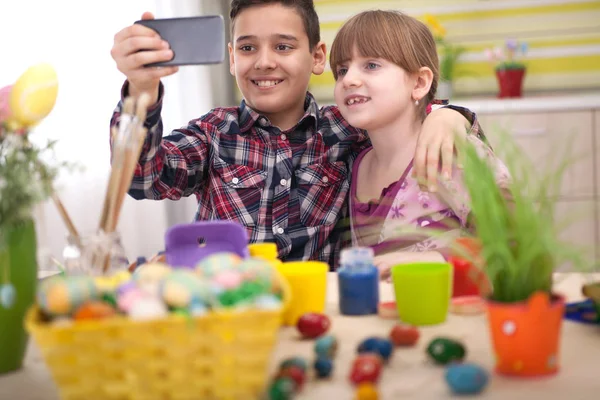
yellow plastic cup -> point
(423, 292)
(308, 283)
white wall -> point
(76, 37)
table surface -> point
(408, 375)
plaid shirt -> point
(288, 187)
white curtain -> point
(76, 37)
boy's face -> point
(271, 59)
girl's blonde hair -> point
(390, 35)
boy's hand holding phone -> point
(131, 60)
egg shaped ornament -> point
(33, 96)
(4, 103)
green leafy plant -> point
(519, 235)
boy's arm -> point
(171, 167)
(436, 142)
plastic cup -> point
(423, 292)
(308, 283)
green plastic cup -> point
(423, 292)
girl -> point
(386, 68)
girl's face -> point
(372, 92)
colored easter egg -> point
(294, 361)
(267, 302)
(282, 389)
(387, 310)
(4, 103)
(366, 391)
(323, 367)
(383, 347)
(313, 325)
(228, 279)
(295, 373)
(7, 295)
(444, 350)
(326, 346)
(127, 298)
(148, 276)
(147, 308)
(93, 310)
(366, 368)
(60, 295)
(216, 262)
(180, 287)
(33, 95)
(404, 335)
(466, 378)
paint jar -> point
(358, 282)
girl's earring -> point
(417, 102)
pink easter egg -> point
(128, 298)
(228, 279)
(4, 104)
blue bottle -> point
(358, 282)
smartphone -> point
(194, 40)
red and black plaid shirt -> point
(285, 187)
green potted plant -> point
(449, 55)
(26, 176)
(519, 249)
(509, 67)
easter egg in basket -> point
(33, 95)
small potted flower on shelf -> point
(509, 67)
(520, 246)
(449, 55)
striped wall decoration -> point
(563, 38)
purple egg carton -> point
(187, 244)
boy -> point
(277, 164)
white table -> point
(408, 375)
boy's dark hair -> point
(306, 9)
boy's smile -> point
(272, 62)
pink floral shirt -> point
(403, 205)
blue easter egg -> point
(466, 378)
(323, 367)
(7, 295)
(383, 347)
(326, 346)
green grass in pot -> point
(521, 247)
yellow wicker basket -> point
(222, 355)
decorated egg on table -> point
(181, 287)
(466, 378)
(366, 391)
(404, 335)
(94, 310)
(282, 389)
(366, 368)
(445, 350)
(33, 95)
(323, 367)
(295, 373)
(60, 295)
(326, 346)
(380, 346)
(149, 276)
(294, 361)
(313, 325)
(147, 308)
(216, 262)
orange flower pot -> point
(526, 335)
